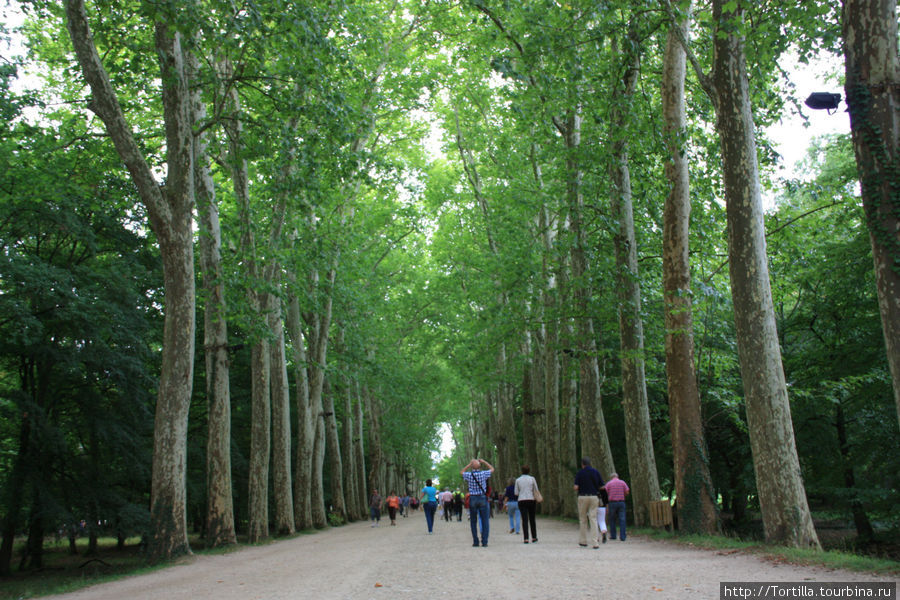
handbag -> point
(537, 495)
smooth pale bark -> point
(505, 439)
(549, 455)
(318, 341)
(531, 402)
(638, 435)
(697, 511)
(550, 467)
(594, 438)
(281, 425)
(219, 493)
(317, 491)
(569, 401)
(782, 497)
(333, 455)
(261, 417)
(170, 215)
(359, 450)
(873, 98)
(347, 434)
(306, 422)
(373, 443)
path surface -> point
(383, 563)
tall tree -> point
(170, 212)
(697, 511)
(639, 438)
(872, 86)
(782, 497)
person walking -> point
(587, 484)
(511, 501)
(458, 503)
(393, 504)
(617, 490)
(527, 492)
(404, 504)
(601, 513)
(429, 497)
(375, 503)
(479, 510)
(446, 503)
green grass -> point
(831, 559)
(63, 572)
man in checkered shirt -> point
(478, 500)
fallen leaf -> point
(378, 584)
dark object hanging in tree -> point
(824, 101)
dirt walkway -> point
(360, 562)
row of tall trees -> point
(569, 91)
(549, 276)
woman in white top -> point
(527, 490)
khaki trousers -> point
(587, 520)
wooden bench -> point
(660, 513)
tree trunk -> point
(639, 437)
(306, 422)
(531, 402)
(360, 452)
(785, 512)
(873, 97)
(348, 473)
(12, 497)
(261, 412)
(171, 220)
(219, 494)
(568, 427)
(864, 529)
(333, 452)
(317, 492)
(376, 458)
(318, 345)
(594, 439)
(281, 424)
(697, 512)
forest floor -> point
(358, 561)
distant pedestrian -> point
(511, 501)
(458, 503)
(479, 510)
(404, 504)
(527, 491)
(617, 490)
(587, 484)
(393, 504)
(429, 499)
(375, 503)
(446, 502)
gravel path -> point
(361, 562)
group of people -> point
(396, 505)
(595, 498)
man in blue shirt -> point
(478, 500)
(587, 484)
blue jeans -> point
(617, 516)
(512, 509)
(430, 507)
(479, 509)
